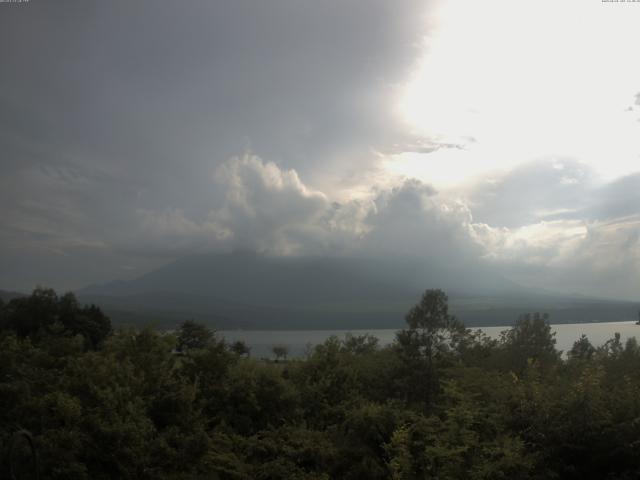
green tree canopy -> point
(530, 340)
(193, 336)
(280, 351)
(44, 314)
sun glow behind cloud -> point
(509, 82)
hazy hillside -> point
(249, 291)
(6, 295)
(246, 277)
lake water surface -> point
(298, 341)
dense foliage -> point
(441, 402)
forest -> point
(441, 402)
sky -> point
(498, 132)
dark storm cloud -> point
(412, 219)
(550, 190)
(617, 199)
(159, 83)
(543, 190)
(132, 133)
(270, 210)
(110, 108)
(556, 225)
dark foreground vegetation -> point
(441, 402)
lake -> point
(297, 341)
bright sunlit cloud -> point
(509, 82)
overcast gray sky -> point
(133, 133)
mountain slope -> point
(244, 290)
(7, 296)
(285, 281)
